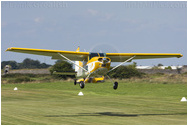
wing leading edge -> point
(72, 55)
(120, 57)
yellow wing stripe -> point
(46, 50)
(145, 54)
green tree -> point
(44, 65)
(29, 63)
(160, 65)
(62, 66)
(13, 64)
(32, 64)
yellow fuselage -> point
(96, 66)
(97, 63)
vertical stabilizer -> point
(78, 62)
(78, 49)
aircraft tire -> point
(115, 85)
(82, 84)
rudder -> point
(78, 62)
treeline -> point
(64, 67)
(27, 63)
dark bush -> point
(62, 67)
(125, 72)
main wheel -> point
(82, 84)
(75, 81)
(115, 85)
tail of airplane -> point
(78, 62)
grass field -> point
(58, 103)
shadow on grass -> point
(113, 114)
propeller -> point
(104, 48)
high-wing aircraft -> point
(89, 65)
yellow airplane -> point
(89, 65)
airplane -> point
(90, 65)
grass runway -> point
(58, 103)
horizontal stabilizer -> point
(64, 73)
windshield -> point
(91, 55)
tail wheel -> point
(82, 84)
(75, 82)
(115, 85)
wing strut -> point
(87, 77)
(72, 62)
(121, 64)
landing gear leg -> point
(82, 83)
(115, 86)
(75, 81)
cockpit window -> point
(91, 55)
(100, 59)
(102, 54)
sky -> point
(124, 27)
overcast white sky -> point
(140, 27)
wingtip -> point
(11, 48)
(180, 55)
(8, 49)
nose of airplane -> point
(105, 60)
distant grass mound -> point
(148, 78)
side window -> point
(91, 55)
